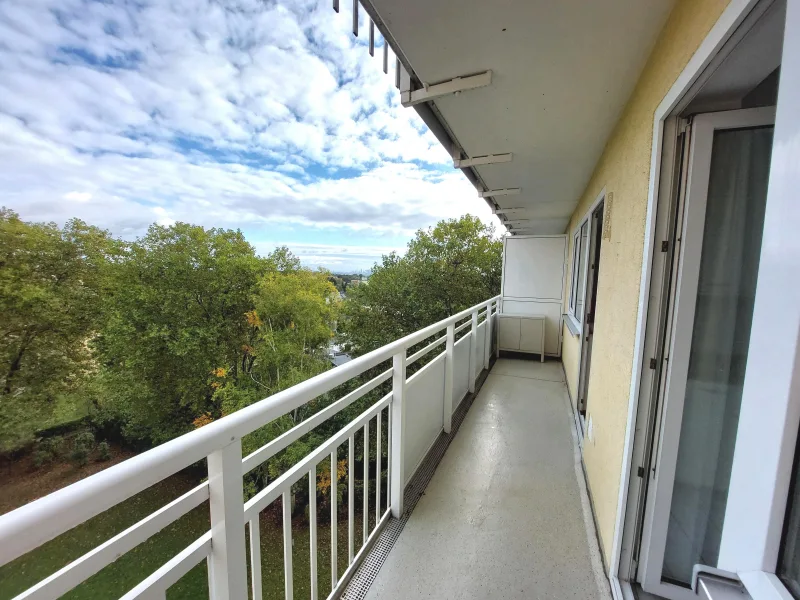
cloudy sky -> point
(265, 116)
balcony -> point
(501, 515)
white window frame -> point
(575, 278)
(576, 321)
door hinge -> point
(665, 246)
(640, 471)
(653, 363)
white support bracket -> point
(518, 222)
(489, 159)
(437, 90)
(505, 192)
(505, 211)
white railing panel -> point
(460, 371)
(424, 400)
(481, 351)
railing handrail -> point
(29, 526)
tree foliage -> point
(197, 326)
(50, 290)
(184, 325)
(446, 269)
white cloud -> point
(251, 114)
(78, 196)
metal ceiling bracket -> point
(505, 192)
(437, 90)
(505, 211)
(489, 159)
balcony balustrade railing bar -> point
(288, 569)
(417, 355)
(157, 584)
(463, 326)
(65, 579)
(255, 559)
(365, 509)
(334, 521)
(378, 452)
(312, 528)
(351, 499)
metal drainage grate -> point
(366, 573)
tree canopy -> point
(446, 269)
(50, 291)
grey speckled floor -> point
(502, 517)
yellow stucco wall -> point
(624, 170)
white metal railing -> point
(418, 408)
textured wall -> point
(624, 169)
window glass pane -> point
(576, 251)
(789, 563)
(579, 287)
(734, 223)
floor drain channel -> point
(362, 579)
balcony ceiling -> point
(562, 72)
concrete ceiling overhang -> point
(562, 72)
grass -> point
(123, 574)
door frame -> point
(676, 362)
(712, 51)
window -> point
(580, 245)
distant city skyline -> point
(267, 117)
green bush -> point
(83, 444)
(41, 458)
(80, 456)
(85, 440)
(103, 451)
(53, 446)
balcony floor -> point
(502, 516)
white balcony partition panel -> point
(460, 371)
(534, 273)
(416, 409)
(424, 416)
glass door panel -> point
(734, 221)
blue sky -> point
(265, 116)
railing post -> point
(449, 357)
(228, 563)
(487, 341)
(397, 432)
(473, 351)
(497, 333)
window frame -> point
(575, 320)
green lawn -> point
(128, 570)
(20, 423)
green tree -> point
(175, 317)
(446, 268)
(50, 288)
